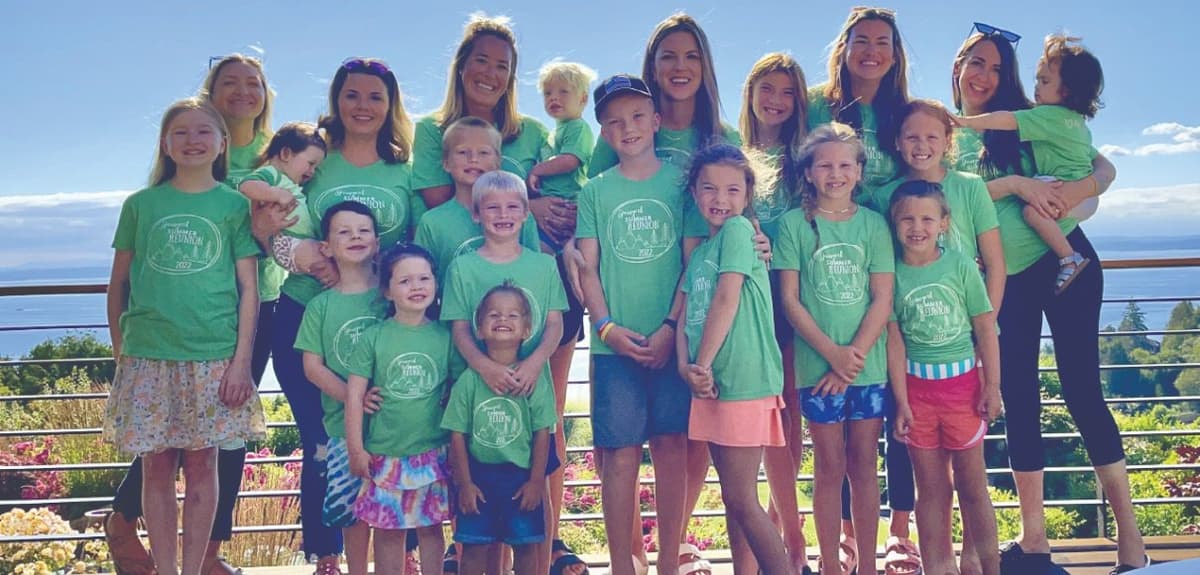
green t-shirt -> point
(385, 188)
(183, 293)
(242, 160)
(570, 137)
(1062, 143)
(448, 231)
(470, 277)
(304, 226)
(500, 427)
(412, 367)
(971, 209)
(835, 286)
(934, 305)
(638, 226)
(332, 328)
(770, 205)
(673, 146)
(518, 155)
(881, 166)
(752, 335)
(1022, 245)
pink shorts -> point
(744, 423)
(944, 414)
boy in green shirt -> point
(470, 148)
(500, 443)
(630, 230)
(563, 167)
(1067, 92)
(333, 322)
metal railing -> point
(50, 290)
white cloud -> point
(1184, 140)
(1150, 211)
(59, 229)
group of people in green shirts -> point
(822, 260)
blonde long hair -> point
(164, 167)
(507, 118)
(832, 133)
(262, 122)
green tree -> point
(1183, 316)
(34, 379)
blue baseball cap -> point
(616, 86)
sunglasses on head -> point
(989, 30)
(215, 60)
(873, 11)
(364, 65)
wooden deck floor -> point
(1076, 556)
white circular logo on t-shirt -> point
(932, 316)
(183, 244)
(642, 230)
(411, 375)
(347, 337)
(497, 422)
(468, 245)
(839, 271)
(388, 207)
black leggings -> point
(1074, 319)
(128, 500)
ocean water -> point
(90, 310)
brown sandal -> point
(129, 557)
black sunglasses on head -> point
(989, 30)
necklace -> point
(835, 212)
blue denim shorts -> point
(631, 404)
(500, 518)
(858, 402)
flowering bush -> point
(30, 484)
(49, 557)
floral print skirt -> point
(157, 405)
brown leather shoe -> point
(129, 557)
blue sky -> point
(87, 82)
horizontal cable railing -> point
(76, 289)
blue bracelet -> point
(603, 322)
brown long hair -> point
(893, 88)
(794, 130)
(394, 141)
(1002, 149)
(507, 118)
(707, 119)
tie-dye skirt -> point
(406, 492)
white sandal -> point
(691, 562)
(1068, 270)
